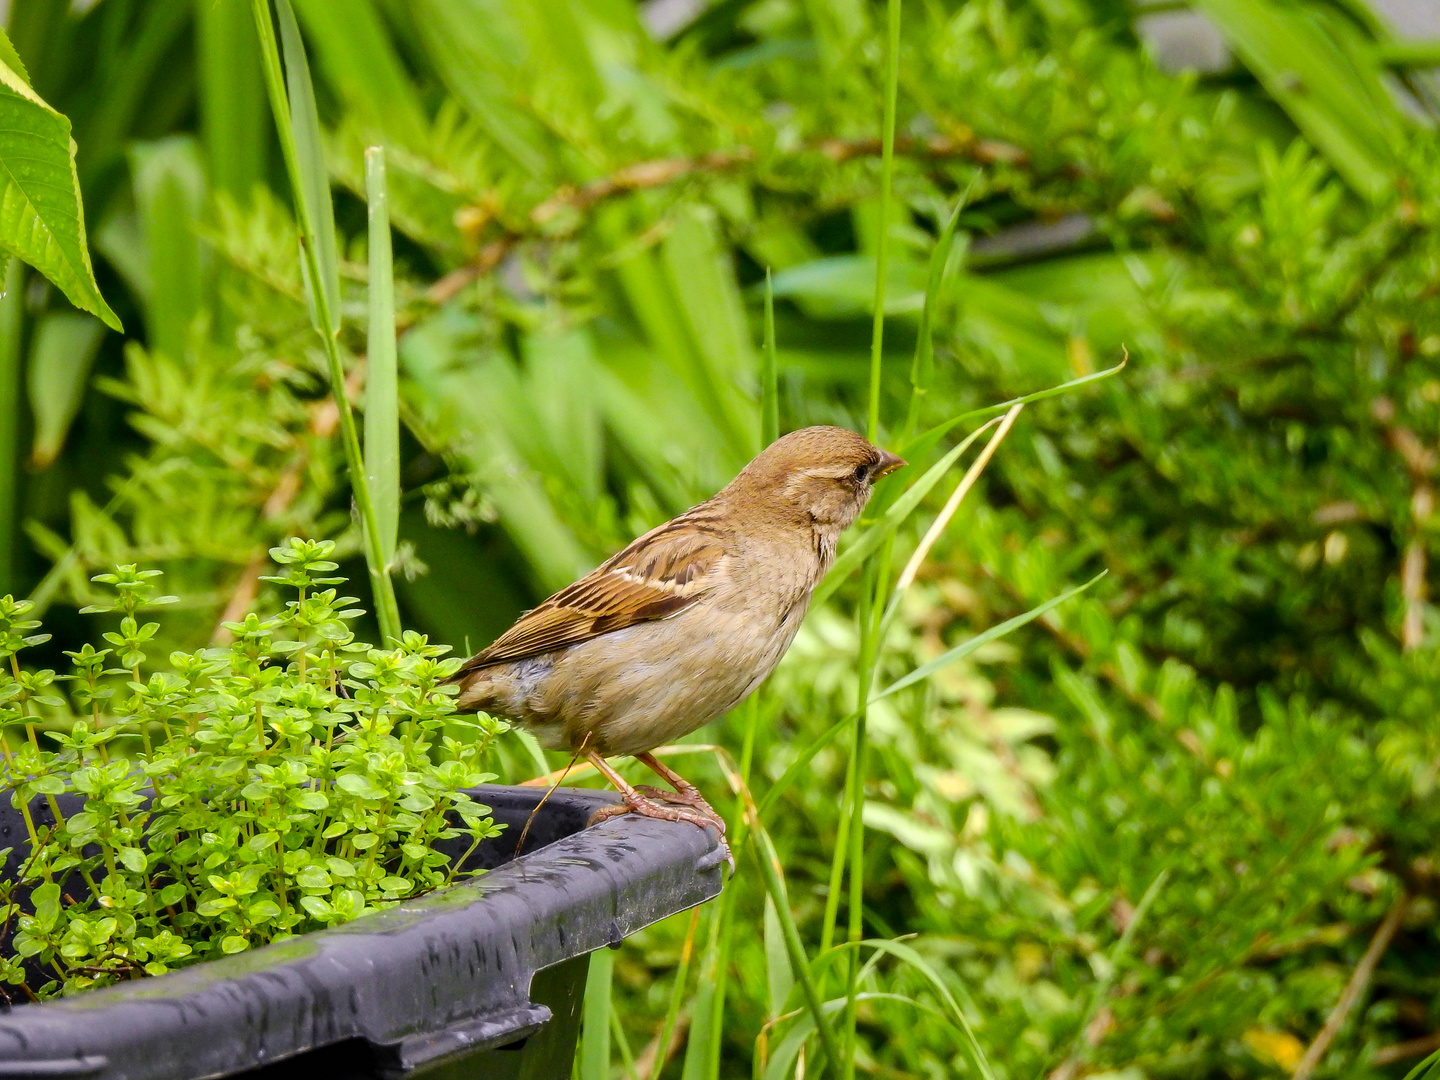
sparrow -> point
(681, 625)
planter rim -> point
(422, 981)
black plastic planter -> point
(481, 980)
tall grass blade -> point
(922, 370)
(1429, 1069)
(882, 241)
(976, 1053)
(769, 378)
(311, 180)
(677, 998)
(303, 177)
(965, 648)
(703, 1014)
(779, 976)
(594, 1060)
(920, 447)
(382, 390)
(774, 879)
(12, 313)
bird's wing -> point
(660, 574)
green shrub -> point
(240, 796)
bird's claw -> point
(691, 798)
(653, 803)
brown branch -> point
(1410, 1048)
(324, 420)
(646, 175)
(1354, 989)
(1420, 463)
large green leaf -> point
(1322, 70)
(41, 220)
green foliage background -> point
(1153, 833)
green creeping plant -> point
(240, 796)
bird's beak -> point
(889, 463)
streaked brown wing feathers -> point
(660, 574)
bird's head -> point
(823, 474)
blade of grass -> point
(774, 879)
(11, 324)
(779, 978)
(811, 749)
(882, 241)
(918, 448)
(622, 1043)
(1080, 1045)
(769, 388)
(855, 775)
(1429, 1069)
(965, 648)
(677, 998)
(307, 174)
(595, 1032)
(978, 1058)
(310, 179)
(382, 392)
(922, 370)
(702, 1007)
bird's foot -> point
(646, 805)
(683, 797)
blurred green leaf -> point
(1322, 70)
(232, 96)
(170, 195)
(61, 355)
(965, 648)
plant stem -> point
(773, 876)
(855, 779)
(386, 610)
(882, 241)
(382, 393)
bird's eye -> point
(862, 473)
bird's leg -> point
(636, 802)
(685, 793)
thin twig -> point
(647, 175)
(1354, 989)
(324, 419)
(1410, 1048)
